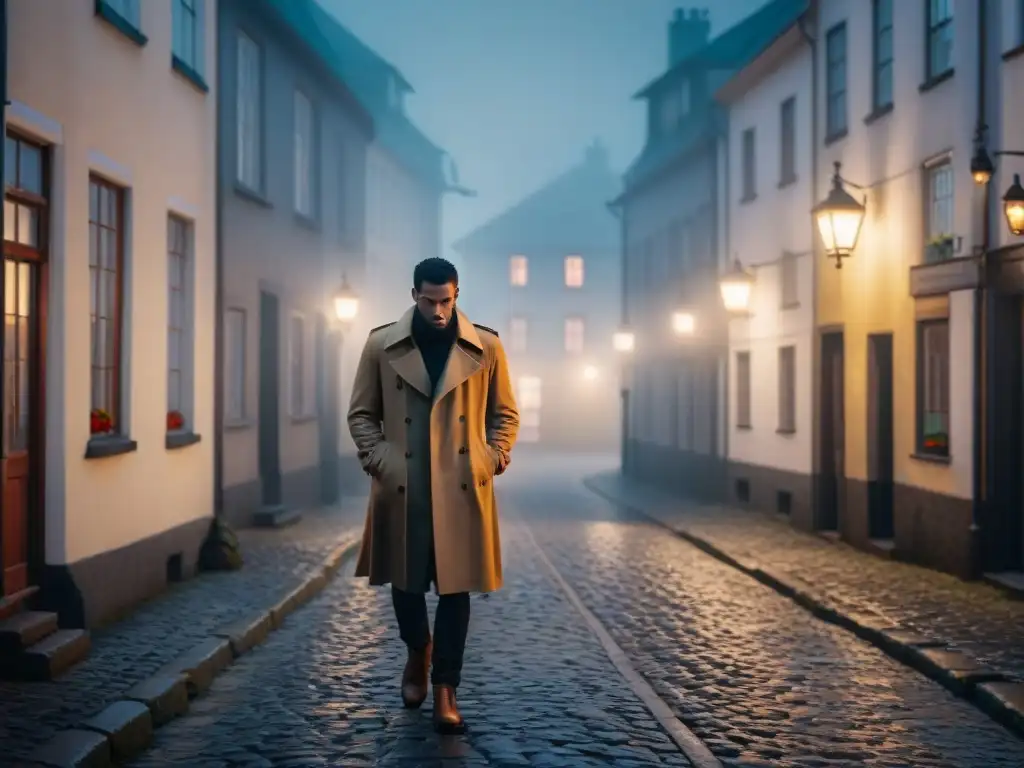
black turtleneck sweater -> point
(435, 344)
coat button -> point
(401, 489)
(408, 420)
(408, 455)
(462, 418)
(465, 487)
(483, 483)
(462, 449)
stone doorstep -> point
(957, 671)
(155, 701)
(25, 629)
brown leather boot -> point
(415, 677)
(446, 712)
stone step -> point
(49, 658)
(25, 629)
(276, 517)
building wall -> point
(870, 294)
(109, 106)
(775, 222)
(267, 246)
(1007, 125)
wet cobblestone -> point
(759, 679)
(131, 650)
(972, 616)
(538, 690)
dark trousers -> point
(451, 623)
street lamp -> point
(982, 167)
(346, 302)
(623, 341)
(736, 286)
(839, 219)
(684, 323)
(1013, 206)
(590, 373)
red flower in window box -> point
(175, 420)
(100, 422)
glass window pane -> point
(109, 295)
(10, 220)
(173, 391)
(30, 168)
(10, 286)
(24, 289)
(10, 161)
(28, 226)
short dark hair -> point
(434, 270)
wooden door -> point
(880, 431)
(269, 404)
(833, 432)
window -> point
(749, 166)
(674, 106)
(787, 141)
(743, 389)
(298, 394)
(787, 389)
(234, 365)
(250, 113)
(788, 281)
(933, 387)
(123, 14)
(106, 275)
(517, 273)
(835, 81)
(528, 398)
(940, 38)
(179, 325)
(939, 245)
(574, 335)
(881, 86)
(187, 41)
(518, 330)
(303, 155)
(574, 271)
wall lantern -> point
(684, 323)
(346, 302)
(982, 167)
(736, 286)
(623, 341)
(839, 219)
(1013, 206)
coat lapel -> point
(465, 359)
(405, 359)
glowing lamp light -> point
(683, 323)
(1013, 206)
(346, 302)
(839, 219)
(982, 167)
(590, 373)
(736, 287)
(623, 341)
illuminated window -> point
(518, 330)
(528, 393)
(574, 271)
(574, 334)
(517, 273)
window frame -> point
(191, 67)
(787, 390)
(518, 331)
(933, 28)
(115, 407)
(304, 155)
(744, 415)
(944, 165)
(879, 65)
(240, 417)
(569, 265)
(748, 164)
(127, 21)
(298, 392)
(836, 92)
(922, 384)
(573, 322)
(185, 229)
(789, 281)
(515, 260)
(787, 141)
(257, 183)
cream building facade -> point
(109, 267)
(768, 168)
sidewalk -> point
(968, 636)
(276, 562)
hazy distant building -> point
(548, 270)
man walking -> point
(434, 420)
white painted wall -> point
(108, 105)
(760, 230)
(1007, 109)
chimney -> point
(687, 34)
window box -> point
(104, 446)
(939, 249)
(189, 74)
(181, 438)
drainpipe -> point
(984, 309)
(618, 209)
(726, 368)
(3, 175)
(218, 316)
(814, 351)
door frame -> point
(39, 257)
(827, 476)
(268, 430)
(880, 447)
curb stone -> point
(958, 672)
(124, 729)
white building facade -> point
(109, 268)
(767, 192)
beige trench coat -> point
(447, 498)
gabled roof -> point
(736, 45)
(568, 213)
(368, 75)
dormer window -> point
(673, 107)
